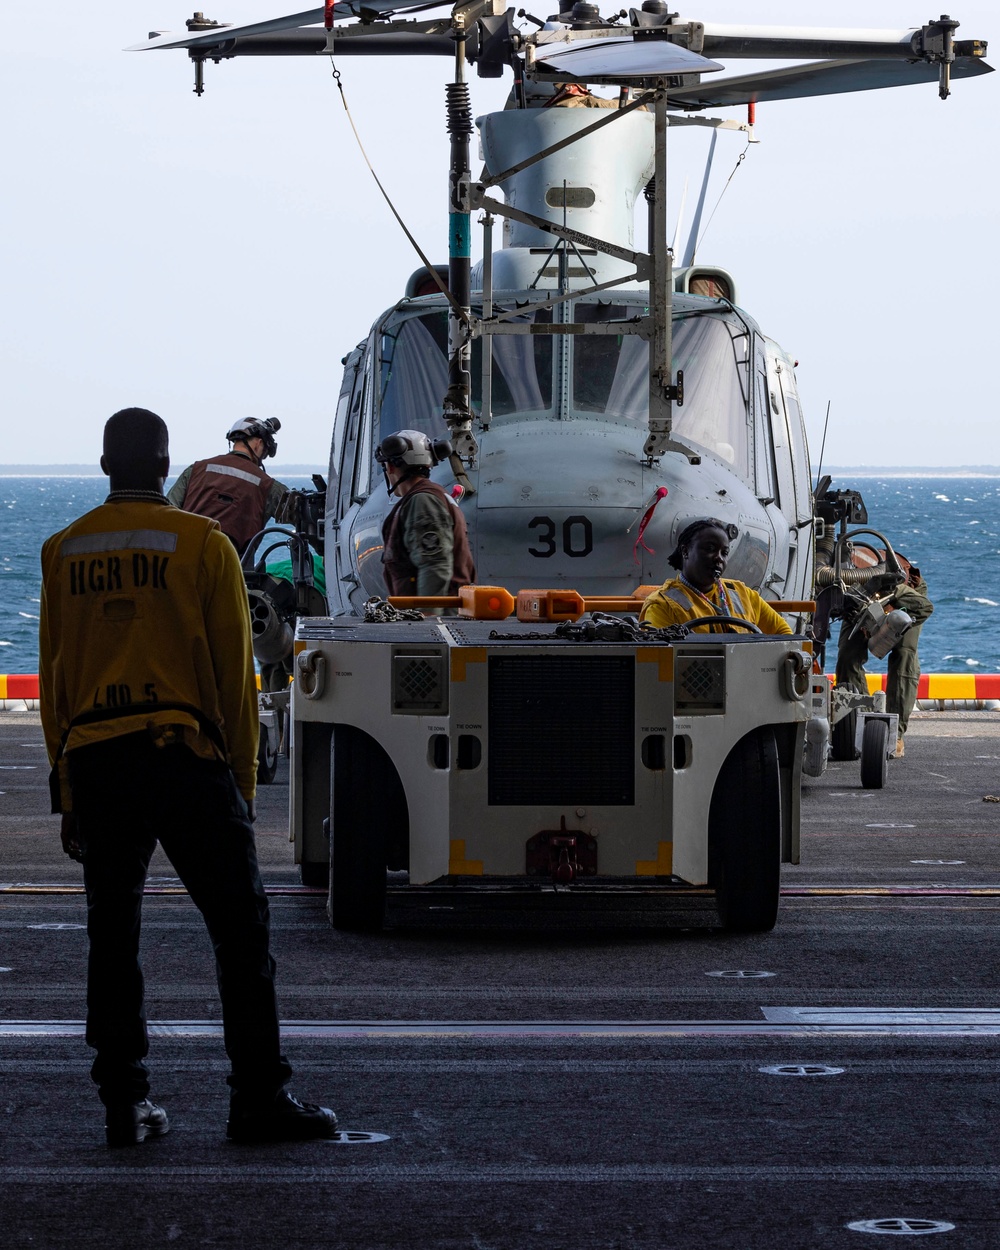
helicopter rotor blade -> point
(695, 231)
(220, 34)
(814, 43)
(308, 17)
(820, 78)
(680, 217)
(621, 56)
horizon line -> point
(310, 467)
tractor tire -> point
(365, 809)
(744, 837)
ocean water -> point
(948, 526)
(32, 508)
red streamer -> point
(661, 493)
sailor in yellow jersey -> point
(701, 591)
(150, 719)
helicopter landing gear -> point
(744, 835)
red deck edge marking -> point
(19, 686)
(986, 685)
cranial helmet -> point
(412, 449)
(249, 427)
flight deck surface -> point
(690, 1089)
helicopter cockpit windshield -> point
(537, 376)
(414, 372)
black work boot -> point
(129, 1123)
(281, 1118)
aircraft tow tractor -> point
(546, 760)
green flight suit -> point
(903, 660)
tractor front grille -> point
(562, 730)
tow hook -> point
(796, 675)
(310, 671)
(561, 854)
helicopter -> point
(598, 396)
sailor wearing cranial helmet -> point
(426, 548)
(233, 489)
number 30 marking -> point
(577, 536)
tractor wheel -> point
(744, 837)
(366, 806)
(314, 875)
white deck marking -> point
(778, 1022)
(392, 1172)
(986, 889)
(839, 1017)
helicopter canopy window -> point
(712, 351)
(610, 376)
(610, 372)
(414, 372)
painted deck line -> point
(907, 891)
(794, 891)
(882, 1015)
(24, 887)
(899, 1023)
(368, 1166)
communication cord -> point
(739, 161)
(459, 311)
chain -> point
(379, 611)
(602, 627)
(533, 636)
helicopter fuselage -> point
(560, 483)
(560, 480)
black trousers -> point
(128, 794)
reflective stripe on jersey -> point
(685, 601)
(119, 540)
(229, 470)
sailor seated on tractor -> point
(701, 555)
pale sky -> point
(216, 258)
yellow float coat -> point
(675, 604)
(142, 605)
